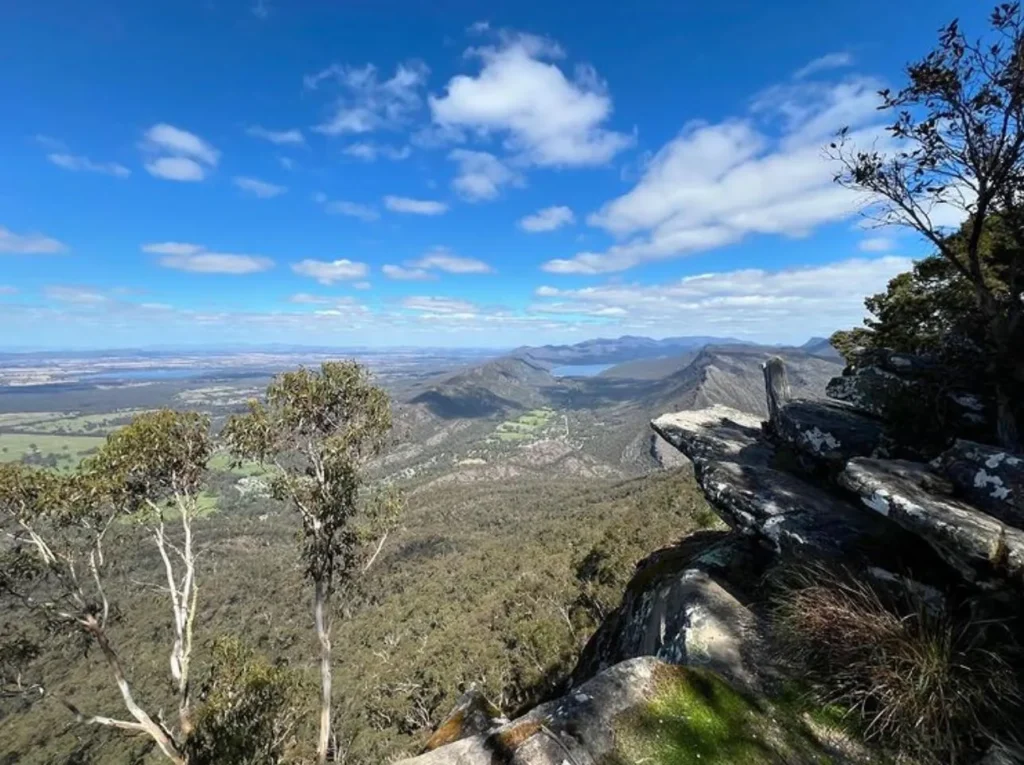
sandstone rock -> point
(827, 432)
(473, 714)
(676, 609)
(736, 471)
(978, 546)
(644, 710)
(872, 389)
(988, 477)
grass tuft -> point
(926, 684)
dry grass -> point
(927, 685)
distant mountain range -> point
(632, 348)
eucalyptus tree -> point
(57, 568)
(319, 429)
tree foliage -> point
(319, 428)
(955, 144)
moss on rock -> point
(696, 717)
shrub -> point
(928, 684)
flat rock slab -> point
(988, 477)
(980, 547)
(827, 432)
(717, 432)
(734, 468)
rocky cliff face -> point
(819, 480)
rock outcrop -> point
(818, 480)
(646, 710)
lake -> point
(579, 370)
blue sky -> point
(439, 173)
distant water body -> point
(154, 373)
(579, 370)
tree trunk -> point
(156, 731)
(322, 631)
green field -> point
(92, 424)
(222, 461)
(19, 419)
(69, 450)
(526, 426)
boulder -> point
(717, 432)
(871, 389)
(828, 433)
(988, 477)
(676, 609)
(644, 710)
(982, 549)
(473, 714)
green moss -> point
(698, 718)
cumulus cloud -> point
(369, 152)
(196, 258)
(443, 259)
(765, 305)
(331, 271)
(823, 63)
(415, 206)
(547, 219)
(78, 163)
(342, 207)
(522, 96)
(877, 244)
(306, 299)
(28, 244)
(280, 137)
(439, 305)
(79, 295)
(258, 188)
(436, 259)
(715, 184)
(178, 155)
(366, 103)
(481, 175)
(406, 274)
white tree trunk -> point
(323, 633)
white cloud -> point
(824, 63)
(361, 286)
(368, 152)
(546, 118)
(481, 175)
(178, 155)
(28, 244)
(366, 102)
(78, 295)
(258, 188)
(771, 306)
(180, 143)
(402, 273)
(715, 184)
(443, 259)
(176, 169)
(351, 209)
(196, 258)
(217, 263)
(439, 305)
(330, 271)
(307, 299)
(78, 163)
(547, 219)
(877, 244)
(172, 248)
(415, 206)
(260, 9)
(8, 289)
(280, 137)
(286, 162)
